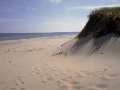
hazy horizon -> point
(43, 32)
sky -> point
(38, 16)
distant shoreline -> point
(17, 36)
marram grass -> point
(101, 22)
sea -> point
(16, 36)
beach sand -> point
(42, 64)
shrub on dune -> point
(101, 22)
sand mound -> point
(109, 43)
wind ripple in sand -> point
(18, 81)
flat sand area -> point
(31, 64)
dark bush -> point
(101, 22)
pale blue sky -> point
(27, 16)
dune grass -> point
(101, 22)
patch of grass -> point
(101, 22)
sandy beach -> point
(45, 64)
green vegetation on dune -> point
(101, 22)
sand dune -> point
(53, 64)
(89, 45)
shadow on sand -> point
(96, 44)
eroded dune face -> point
(90, 45)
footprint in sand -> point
(98, 87)
(64, 87)
(35, 72)
(51, 78)
(22, 89)
(48, 80)
(93, 88)
(69, 78)
(44, 80)
(13, 88)
(83, 74)
(69, 84)
(74, 83)
(2, 82)
(77, 87)
(101, 86)
(53, 70)
(18, 81)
